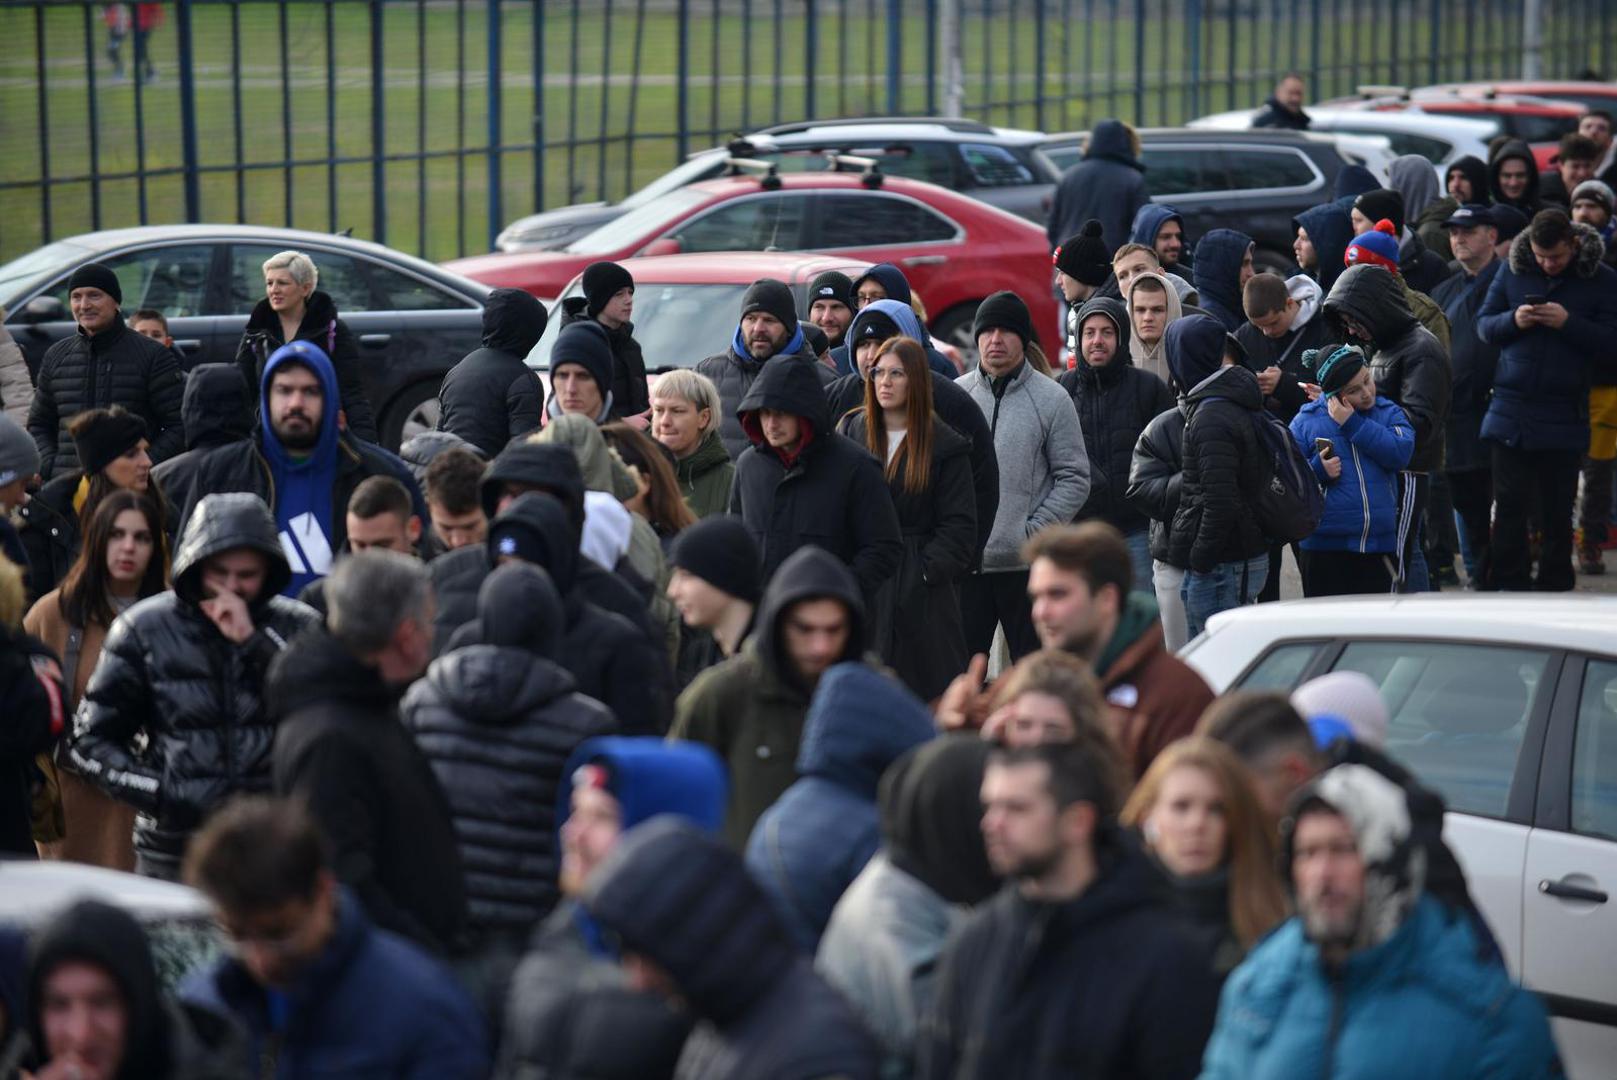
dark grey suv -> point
(413, 320)
(1251, 181)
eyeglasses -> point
(889, 375)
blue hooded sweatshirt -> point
(807, 848)
(1218, 275)
(303, 483)
(908, 324)
(1330, 230)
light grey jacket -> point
(1044, 468)
(16, 386)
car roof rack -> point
(766, 171)
(870, 174)
(1376, 90)
(951, 123)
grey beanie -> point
(19, 457)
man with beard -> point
(1370, 963)
(300, 463)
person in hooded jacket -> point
(218, 411)
(693, 924)
(1372, 967)
(951, 405)
(879, 321)
(184, 671)
(750, 709)
(802, 484)
(571, 1002)
(1153, 305)
(768, 330)
(1108, 184)
(918, 628)
(608, 300)
(293, 309)
(1283, 322)
(299, 463)
(1223, 265)
(1323, 234)
(1411, 369)
(1465, 181)
(1115, 401)
(1513, 177)
(1351, 182)
(1162, 229)
(491, 395)
(809, 846)
(886, 934)
(1468, 181)
(1214, 534)
(95, 1007)
(883, 281)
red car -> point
(954, 250)
(1591, 95)
(1537, 121)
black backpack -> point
(1289, 503)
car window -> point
(339, 277)
(645, 221)
(919, 161)
(1458, 712)
(995, 166)
(757, 223)
(1538, 129)
(870, 219)
(1247, 170)
(1402, 142)
(174, 279)
(1062, 156)
(1179, 170)
(1282, 666)
(1594, 754)
(676, 325)
(407, 293)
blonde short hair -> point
(301, 266)
(695, 388)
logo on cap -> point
(508, 545)
(827, 290)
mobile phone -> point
(1535, 300)
(1325, 449)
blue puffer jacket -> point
(1219, 255)
(1420, 1004)
(807, 848)
(1541, 386)
(1361, 505)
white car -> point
(1507, 705)
(1442, 140)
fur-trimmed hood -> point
(1591, 250)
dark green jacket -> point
(705, 477)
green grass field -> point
(440, 208)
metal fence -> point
(428, 124)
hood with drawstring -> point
(1147, 357)
(791, 388)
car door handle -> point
(188, 343)
(1565, 891)
(923, 260)
(375, 341)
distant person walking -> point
(1107, 185)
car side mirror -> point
(663, 245)
(42, 309)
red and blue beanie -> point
(1378, 247)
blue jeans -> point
(1208, 594)
(1140, 557)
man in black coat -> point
(608, 300)
(1284, 109)
(1411, 369)
(186, 669)
(31, 687)
(1115, 401)
(692, 923)
(103, 363)
(1108, 185)
(801, 483)
(1080, 965)
(218, 411)
(339, 747)
(491, 396)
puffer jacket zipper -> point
(1335, 1030)
(1364, 499)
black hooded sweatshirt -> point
(218, 410)
(831, 493)
(321, 326)
(1223, 468)
(492, 395)
(1531, 201)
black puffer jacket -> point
(497, 719)
(218, 410)
(1114, 404)
(48, 527)
(35, 704)
(1156, 475)
(1411, 366)
(676, 895)
(321, 326)
(954, 407)
(167, 672)
(1222, 469)
(832, 495)
(1422, 267)
(115, 367)
(630, 395)
(733, 374)
(492, 395)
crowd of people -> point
(638, 727)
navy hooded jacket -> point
(1148, 222)
(1330, 230)
(1219, 255)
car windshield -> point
(676, 325)
(39, 263)
(704, 166)
(642, 223)
(1062, 156)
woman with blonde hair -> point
(1200, 818)
(685, 414)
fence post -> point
(1038, 64)
(1139, 63)
(895, 59)
(811, 57)
(949, 46)
(1193, 49)
(188, 111)
(495, 216)
(1532, 39)
(682, 80)
(379, 134)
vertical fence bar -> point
(331, 118)
(606, 98)
(379, 132)
(1230, 18)
(44, 125)
(682, 79)
(842, 57)
(1111, 67)
(746, 63)
(634, 97)
(420, 124)
(139, 83)
(895, 60)
(1139, 62)
(460, 127)
(714, 83)
(235, 107)
(539, 68)
(188, 110)
(987, 75)
(571, 191)
(1193, 49)
(286, 114)
(811, 55)
(94, 118)
(496, 123)
(931, 10)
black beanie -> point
(772, 298)
(602, 280)
(585, 344)
(721, 552)
(96, 276)
(512, 535)
(815, 337)
(1084, 257)
(831, 285)
(1004, 311)
(102, 436)
(873, 325)
(1382, 203)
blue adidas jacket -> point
(1361, 505)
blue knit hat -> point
(1378, 247)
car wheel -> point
(953, 327)
(1265, 261)
(415, 410)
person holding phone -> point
(1356, 441)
